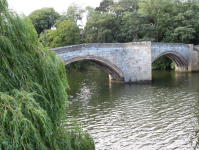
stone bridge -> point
(131, 62)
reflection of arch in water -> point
(115, 72)
(177, 58)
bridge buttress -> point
(193, 58)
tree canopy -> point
(135, 28)
(61, 18)
(104, 6)
(75, 12)
(158, 11)
(134, 20)
(101, 28)
(43, 18)
(184, 23)
(67, 33)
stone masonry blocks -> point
(129, 62)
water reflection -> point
(161, 115)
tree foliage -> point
(77, 65)
(104, 6)
(43, 18)
(61, 18)
(101, 28)
(158, 11)
(185, 22)
(75, 12)
(90, 12)
(122, 6)
(163, 63)
(32, 91)
(67, 33)
(135, 28)
(128, 5)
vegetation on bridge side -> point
(163, 63)
(32, 91)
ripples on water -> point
(161, 115)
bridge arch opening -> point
(114, 72)
(180, 62)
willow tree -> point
(32, 90)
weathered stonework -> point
(131, 62)
(177, 52)
(193, 58)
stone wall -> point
(130, 62)
(177, 52)
(193, 58)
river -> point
(161, 115)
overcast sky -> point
(27, 6)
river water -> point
(162, 115)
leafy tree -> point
(67, 33)
(163, 63)
(135, 28)
(60, 19)
(43, 18)
(90, 12)
(185, 20)
(75, 12)
(77, 65)
(159, 13)
(128, 5)
(123, 10)
(104, 6)
(101, 28)
(124, 6)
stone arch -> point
(115, 72)
(180, 62)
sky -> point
(28, 6)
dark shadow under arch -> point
(177, 58)
(115, 72)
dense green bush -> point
(77, 65)
(163, 63)
(32, 91)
